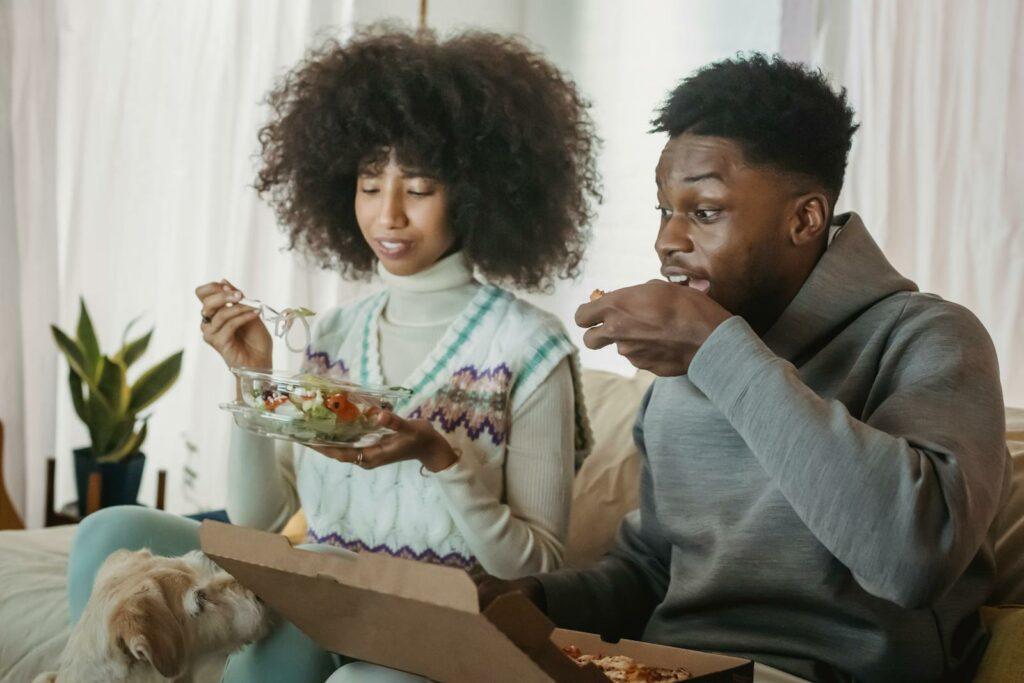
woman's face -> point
(403, 215)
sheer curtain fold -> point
(938, 164)
(28, 255)
(134, 135)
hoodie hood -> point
(852, 276)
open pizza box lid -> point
(425, 618)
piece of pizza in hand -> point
(596, 294)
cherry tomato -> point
(342, 407)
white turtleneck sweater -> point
(522, 532)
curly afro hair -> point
(781, 113)
(503, 129)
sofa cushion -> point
(1004, 656)
(1009, 527)
(607, 486)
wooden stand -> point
(9, 518)
(92, 496)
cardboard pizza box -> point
(425, 618)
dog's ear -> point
(146, 629)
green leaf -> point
(127, 446)
(113, 385)
(120, 431)
(131, 351)
(152, 384)
(77, 397)
(101, 422)
(86, 338)
(128, 328)
(73, 352)
(320, 412)
(142, 436)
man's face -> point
(724, 224)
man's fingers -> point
(597, 337)
(592, 313)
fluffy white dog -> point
(153, 618)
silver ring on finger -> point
(360, 457)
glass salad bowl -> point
(311, 409)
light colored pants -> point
(284, 656)
(361, 672)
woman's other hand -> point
(412, 440)
(234, 331)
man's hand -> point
(490, 588)
(657, 326)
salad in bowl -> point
(311, 409)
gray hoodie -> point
(818, 499)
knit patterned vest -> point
(492, 357)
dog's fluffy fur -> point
(153, 618)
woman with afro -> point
(449, 169)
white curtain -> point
(134, 128)
(28, 255)
(937, 168)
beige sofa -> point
(33, 610)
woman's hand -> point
(235, 332)
(413, 440)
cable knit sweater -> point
(504, 507)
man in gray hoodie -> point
(823, 450)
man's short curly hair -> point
(505, 131)
(781, 113)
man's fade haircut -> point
(782, 114)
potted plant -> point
(110, 408)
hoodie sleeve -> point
(617, 596)
(905, 494)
